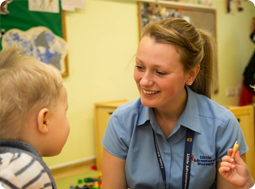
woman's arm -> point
(113, 173)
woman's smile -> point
(148, 92)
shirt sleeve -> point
(114, 139)
(227, 135)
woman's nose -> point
(146, 80)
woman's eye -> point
(139, 67)
(161, 73)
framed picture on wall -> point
(38, 31)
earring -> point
(190, 83)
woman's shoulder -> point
(127, 116)
(209, 108)
(132, 107)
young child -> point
(236, 171)
(33, 122)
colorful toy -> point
(88, 180)
(90, 183)
(93, 167)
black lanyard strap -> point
(186, 162)
(187, 159)
(160, 160)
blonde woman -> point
(173, 136)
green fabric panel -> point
(20, 17)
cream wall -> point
(234, 47)
(103, 38)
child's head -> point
(27, 86)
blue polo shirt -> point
(129, 136)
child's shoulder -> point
(15, 146)
(20, 164)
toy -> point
(88, 180)
(90, 183)
(94, 167)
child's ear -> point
(43, 120)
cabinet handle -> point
(110, 113)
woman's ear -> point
(192, 75)
(43, 121)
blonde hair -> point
(26, 86)
(194, 46)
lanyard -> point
(186, 162)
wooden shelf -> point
(180, 5)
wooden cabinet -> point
(245, 117)
(103, 112)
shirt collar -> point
(20, 145)
(188, 119)
(190, 116)
(144, 114)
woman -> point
(173, 136)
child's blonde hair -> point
(26, 86)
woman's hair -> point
(194, 46)
(26, 86)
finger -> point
(224, 170)
(230, 151)
(227, 165)
(238, 159)
(227, 159)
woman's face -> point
(159, 74)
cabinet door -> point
(244, 121)
(245, 117)
(102, 116)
